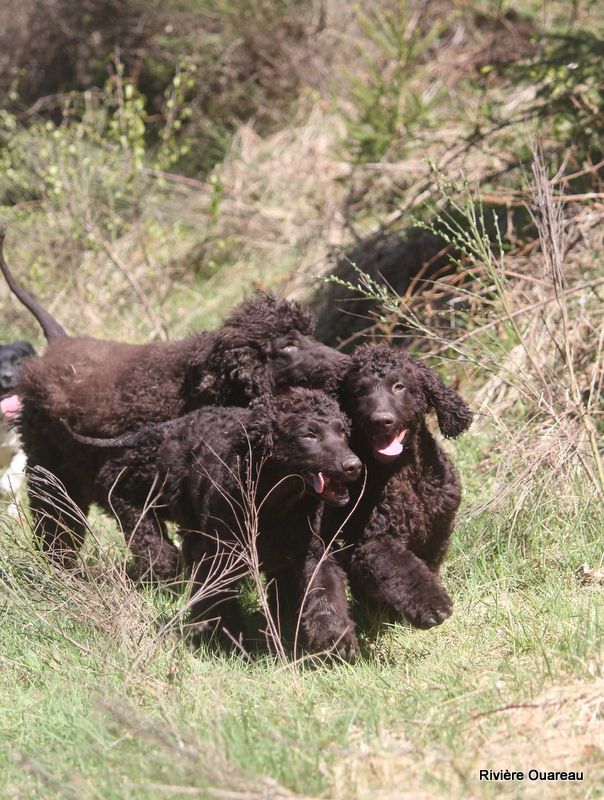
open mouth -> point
(328, 489)
(388, 449)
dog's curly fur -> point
(401, 530)
(210, 469)
(106, 388)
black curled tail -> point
(150, 434)
(52, 329)
(128, 440)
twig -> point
(158, 325)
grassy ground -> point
(97, 704)
(402, 111)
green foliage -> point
(90, 166)
(568, 75)
(107, 133)
(182, 74)
(388, 100)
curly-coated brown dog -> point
(231, 477)
(400, 532)
(106, 388)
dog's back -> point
(106, 387)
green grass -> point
(95, 704)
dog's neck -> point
(280, 494)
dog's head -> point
(11, 358)
(304, 432)
(265, 345)
(387, 393)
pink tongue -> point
(318, 482)
(395, 447)
(11, 406)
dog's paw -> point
(347, 647)
(161, 567)
(430, 607)
(336, 639)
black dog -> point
(12, 458)
(230, 476)
(11, 358)
(401, 530)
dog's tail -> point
(127, 440)
(52, 329)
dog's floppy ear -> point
(259, 434)
(24, 349)
(234, 372)
(232, 377)
(454, 417)
(246, 374)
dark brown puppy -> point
(400, 532)
(105, 388)
(226, 475)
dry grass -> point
(530, 323)
(562, 729)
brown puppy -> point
(105, 388)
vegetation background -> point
(426, 172)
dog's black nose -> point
(383, 420)
(352, 467)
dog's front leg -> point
(383, 568)
(154, 556)
(325, 618)
(324, 606)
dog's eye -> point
(287, 348)
(398, 387)
(310, 435)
